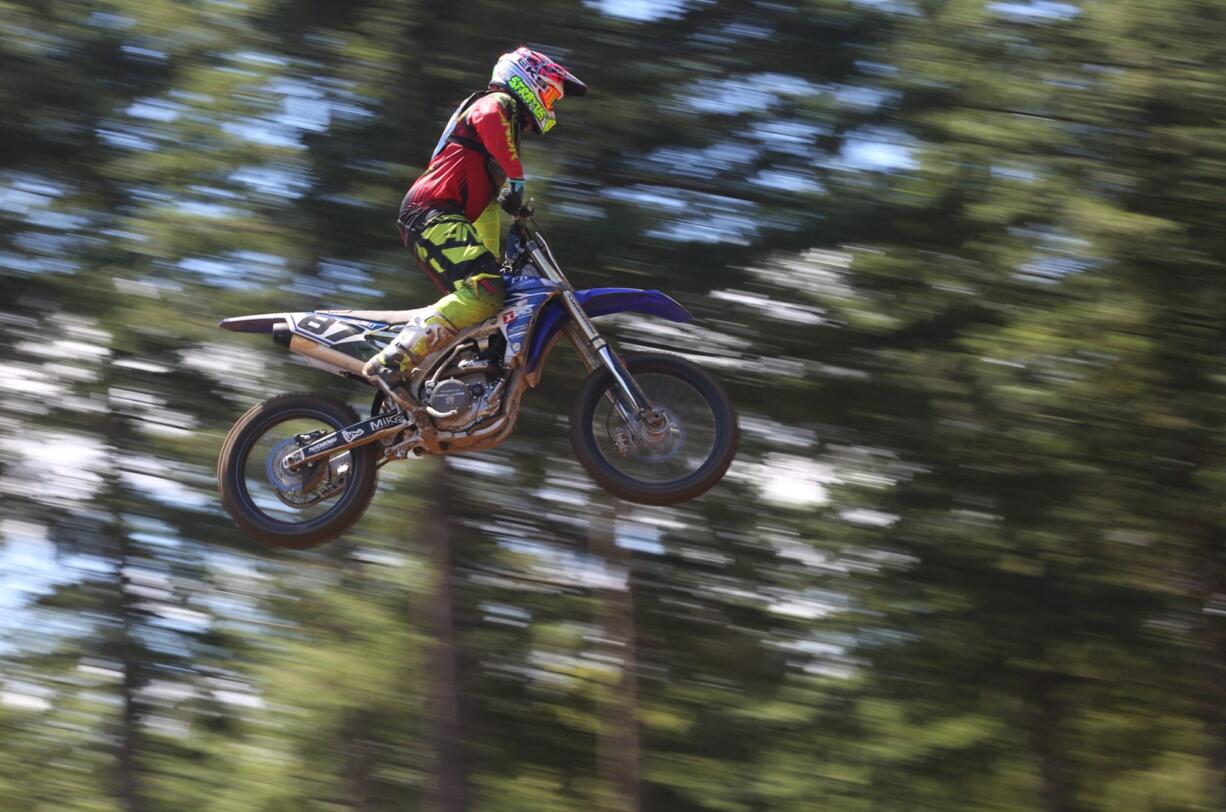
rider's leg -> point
(453, 254)
(487, 226)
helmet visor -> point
(550, 96)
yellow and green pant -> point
(462, 258)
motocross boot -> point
(427, 332)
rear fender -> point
(332, 342)
(598, 302)
(359, 338)
(263, 323)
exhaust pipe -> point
(328, 358)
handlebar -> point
(520, 235)
(525, 236)
(523, 219)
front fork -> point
(596, 352)
(634, 407)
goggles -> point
(549, 96)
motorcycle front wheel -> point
(678, 451)
(302, 508)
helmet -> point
(538, 82)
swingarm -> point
(361, 433)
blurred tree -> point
(119, 624)
(447, 734)
(146, 192)
(618, 751)
(1005, 325)
(957, 261)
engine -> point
(467, 391)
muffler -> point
(316, 354)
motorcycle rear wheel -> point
(246, 495)
(684, 460)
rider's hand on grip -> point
(511, 198)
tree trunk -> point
(126, 649)
(1213, 680)
(1047, 713)
(1217, 732)
(359, 760)
(446, 791)
(127, 745)
(618, 743)
(129, 783)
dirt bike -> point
(299, 469)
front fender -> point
(598, 302)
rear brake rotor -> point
(292, 487)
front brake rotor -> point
(654, 438)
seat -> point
(385, 316)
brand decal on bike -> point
(380, 423)
(322, 445)
(516, 320)
(350, 436)
(329, 330)
(369, 325)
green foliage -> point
(959, 264)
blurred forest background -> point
(960, 264)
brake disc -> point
(293, 487)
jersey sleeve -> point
(492, 119)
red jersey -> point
(479, 150)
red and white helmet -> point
(538, 82)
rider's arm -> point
(494, 124)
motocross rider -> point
(449, 217)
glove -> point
(511, 198)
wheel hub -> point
(293, 487)
(654, 437)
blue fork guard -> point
(601, 302)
